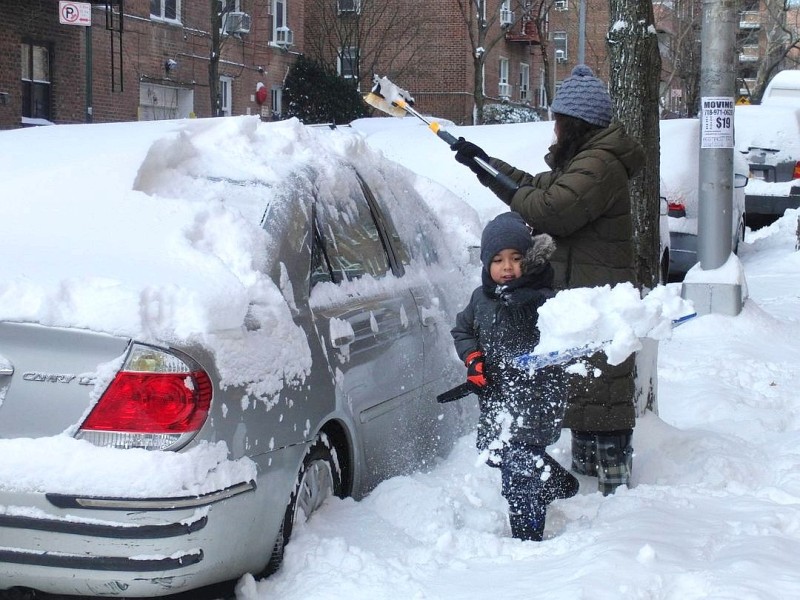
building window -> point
(169, 10)
(348, 63)
(35, 81)
(503, 88)
(348, 6)
(506, 15)
(279, 19)
(560, 46)
(276, 99)
(524, 82)
(224, 7)
(225, 95)
(282, 35)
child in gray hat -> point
(521, 412)
(583, 201)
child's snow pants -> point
(523, 472)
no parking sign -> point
(75, 13)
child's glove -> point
(475, 363)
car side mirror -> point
(739, 180)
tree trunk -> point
(213, 58)
(634, 76)
(477, 91)
(635, 67)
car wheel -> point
(739, 238)
(319, 478)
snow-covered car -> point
(680, 146)
(207, 327)
(768, 137)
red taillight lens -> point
(158, 400)
(676, 209)
(796, 172)
(153, 403)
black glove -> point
(466, 153)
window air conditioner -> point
(236, 22)
(561, 56)
(560, 5)
(284, 37)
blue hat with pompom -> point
(584, 96)
(506, 230)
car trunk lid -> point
(50, 377)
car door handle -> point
(343, 340)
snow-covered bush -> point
(509, 113)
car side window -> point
(350, 238)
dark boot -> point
(561, 483)
(584, 453)
(526, 528)
(615, 460)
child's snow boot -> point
(523, 527)
(561, 483)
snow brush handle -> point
(501, 178)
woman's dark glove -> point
(466, 153)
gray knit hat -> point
(584, 96)
(506, 230)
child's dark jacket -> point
(519, 406)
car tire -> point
(664, 269)
(740, 232)
(319, 478)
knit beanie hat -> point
(506, 230)
(584, 96)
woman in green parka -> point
(584, 203)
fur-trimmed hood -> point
(538, 255)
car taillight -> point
(157, 401)
(796, 172)
(676, 209)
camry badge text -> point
(56, 378)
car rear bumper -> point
(771, 205)
(121, 546)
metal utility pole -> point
(582, 32)
(720, 291)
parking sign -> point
(75, 13)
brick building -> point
(150, 61)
